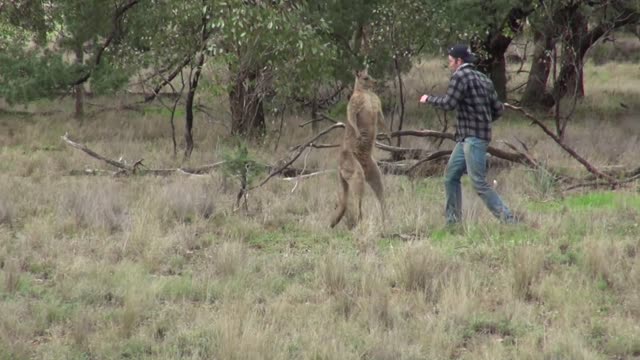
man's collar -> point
(463, 66)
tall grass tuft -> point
(6, 212)
(230, 258)
(527, 264)
(185, 200)
(425, 269)
(12, 275)
(605, 262)
(333, 272)
(96, 204)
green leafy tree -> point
(40, 37)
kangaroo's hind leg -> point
(356, 184)
(343, 202)
(374, 179)
(352, 182)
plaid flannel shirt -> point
(472, 94)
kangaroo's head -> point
(364, 81)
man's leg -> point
(475, 153)
(453, 173)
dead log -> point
(513, 157)
(401, 153)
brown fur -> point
(355, 162)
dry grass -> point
(162, 268)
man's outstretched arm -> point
(449, 101)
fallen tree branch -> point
(92, 153)
(305, 176)
(393, 168)
(403, 153)
(138, 167)
(321, 117)
(617, 171)
(28, 113)
(297, 155)
(304, 168)
(421, 133)
(434, 156)
(533, 162)
(201, 170)
(601, 183)
(499, 153)
(592, 169)
(328, 118)
(316, 146)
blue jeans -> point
(470, 155)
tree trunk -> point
(571, 79)
(247, 112)
(188, 129)
(496, 45)
(587, 39)
(79, 89)
(498, 74)
(535, 92)
(401, 95)
(495, 64)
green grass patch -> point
(185, 287)
(294, 238)
(388, 243)
(588, 202)
(473, 235)
(568, 257)
(179, 113)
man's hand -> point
(424, 98)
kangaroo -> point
(355, 162)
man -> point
(472, 94)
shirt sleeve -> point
(452, 98)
